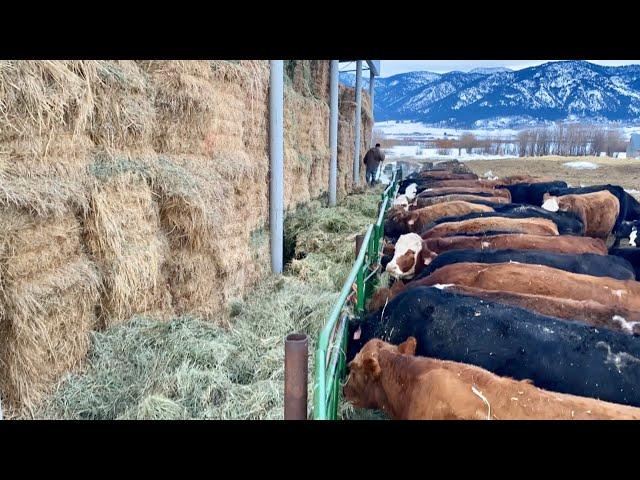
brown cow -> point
(480, 183)
(436, 192)
(559, 244)
(532, 226)
(392, 378)
(484, 183)
(399, 221)
(446, 175)
(422, 202)
(539, 280)
(598, 211)
(585, 311)
(410, 256)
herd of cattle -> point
(516, 294)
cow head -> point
(401, 201)
(363, 387)
(409, 257)
(411, 191)
(550, 203)
(396, 222)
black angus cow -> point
(531, 193)
(558, 355)
(568, 223)
(586, 263)
(629, 206)
(631, 255)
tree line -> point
(560, 139)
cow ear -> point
(408, 347)
(371, 365)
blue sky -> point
(392, 67)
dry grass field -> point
(623, 172)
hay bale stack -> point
(321, 78)
(194, 115)
(346, 137)
(123, 234)
(48, 286)
(124, 113)
(48, 292)
(208, 217)
(306, 126)
(309, 78)
(139, 187)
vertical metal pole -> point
(296, 371)
(371, 95)
(333, 134)
(276, 150)
(359, 240)
(356, 157)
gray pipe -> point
(276, 151)
(356, 158)
(371, 95)
(333, 134)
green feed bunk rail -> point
(330, 366)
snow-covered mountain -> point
(491, 97)
(490, 70)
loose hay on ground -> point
(187, 368)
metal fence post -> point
(296, 371)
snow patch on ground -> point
(581, 165)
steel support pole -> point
(356, 157)
(296, 372)
(371, 97)
(333, 134)
(276, 151)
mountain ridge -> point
(553, 91)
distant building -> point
(633, 150)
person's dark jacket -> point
(373, 158)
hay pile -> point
(137, 187)
(187, 368)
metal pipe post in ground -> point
(371, 95)
(276, 151)
(296, 371)
(356, 157)
(359, 240)
(333, 134)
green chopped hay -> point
(191, 369)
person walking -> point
(373, 158)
